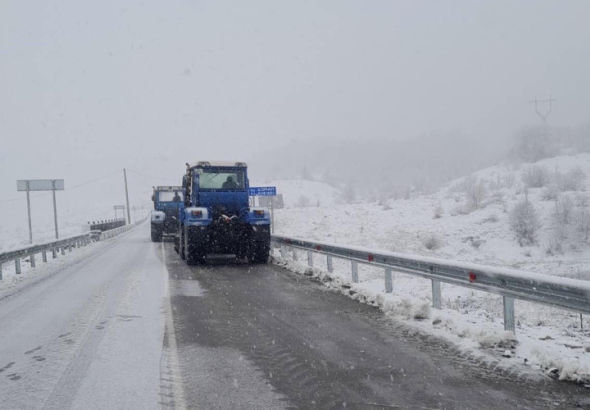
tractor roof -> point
(229, 164)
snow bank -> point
(534, 353)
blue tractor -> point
(217, 217)
(168, 203)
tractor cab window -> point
(223, 180)
(170, 196)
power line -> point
(149, 177)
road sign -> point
(40, 185)
(29, 185)
(266, 191)
(263, 191)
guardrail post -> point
(32, 259)
(436, 294)
(44, 256)
(17, 266)
(329, 263)
(295, 256)
(388, 281)
(1, 270)
(355, 271)
(509, 322)
(70, 247)
(54, 253)
(63, 250)
(283, 253)
(310, 258)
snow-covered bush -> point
(431, 242)
(581, 222)
(536, 143)
(476, 193)
(302, 202)
(536, 176)
(525, 222)
(438, 212)
(493, 217)
(551, 192)
(564, 210)
(573, 180)
(509, 180)
(556, 240)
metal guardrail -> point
(564, 293)
(117, 231)
(58, 246)
(54, 247)
(106, 225)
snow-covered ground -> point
(445, 226)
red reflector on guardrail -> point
(472, 277)
(318, 248)
(370, 258)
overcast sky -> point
(91, 87)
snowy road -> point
(133, 327)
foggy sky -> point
(88, 88)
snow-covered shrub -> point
(459, 210)
(573, 180)
(438, 212)
(476, 193)
(536, 176)
(525, 222)
(493, 217)
(556, 240)
(509, 180)
(302, 202)
(551, 192)
(536, 143)
(564, 210)
(581, 222)
(431, 242)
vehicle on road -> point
(217, 217)
(168, 203)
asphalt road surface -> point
(133, 327)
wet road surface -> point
(132, 327)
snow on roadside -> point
(534, 351)
(10, 279)
(440, 225)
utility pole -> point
(127, 197)
(543, 115)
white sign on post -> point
(40, 185)
(29, 185)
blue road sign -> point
(263, 191)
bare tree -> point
(476, 193)
(525, 223)
(536, 176)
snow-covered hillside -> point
(299, 193)
(446, 225)
(469, 220)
